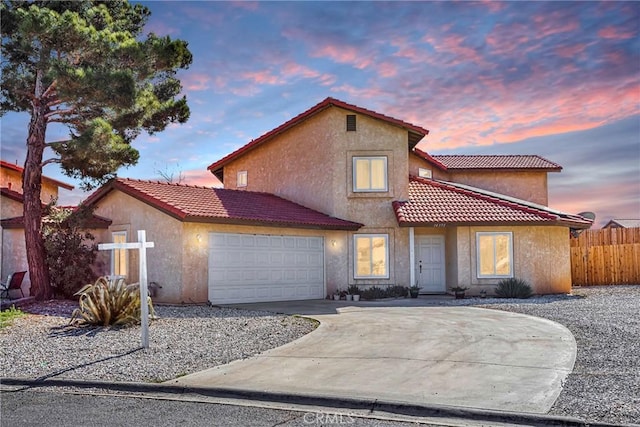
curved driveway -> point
(455, 356)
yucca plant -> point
(513, 288)
(109, 302)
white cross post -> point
(142, 246)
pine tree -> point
(85, 64)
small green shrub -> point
(109, 302)
(513, 288)
(353, 290)
(375, 292)
(69, 251)
(397, 291)
(7, 316)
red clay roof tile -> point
(218, 205)
(436, 202)
(496, 162)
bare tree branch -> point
(49, 161)
(50, 89)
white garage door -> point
(257, 268)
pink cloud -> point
(387, 69)
(570, 51)
(612, 32)
(344, 55)
(261, 77)
(201, 177)
(556, 22)
(453, 46)
(196, 81)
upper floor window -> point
(242, 179)
(351, 122)
(424, 173)
(372, 256)
(370, 174)
(495, 254)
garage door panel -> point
(252, 268)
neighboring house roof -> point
(416, 133)
(14, 195)
(509, 162)
(437, 202)
(19, 169)
(217, 205)
(623, 223)
(95, 222)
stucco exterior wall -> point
(10, 208)
(164, 261)
(525, 185)
(541, 257)
(14, 256)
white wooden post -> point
(142, 246)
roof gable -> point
(438, 202)
(217, 205)
(416, 133)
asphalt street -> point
(53, 409)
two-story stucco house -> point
(339, 195)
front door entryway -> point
(430, 264)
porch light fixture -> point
(199, 237)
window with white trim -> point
(370, 174)
(119, 256)
(424, 173)
(242, 179)
(371, 256)
(494, 254)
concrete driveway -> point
(406, 351)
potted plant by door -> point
(336, 294)
(354, 291)
(414, 291)
(459, 291)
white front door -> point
(430, 264)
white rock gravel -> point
(605, 321)
(183, 340)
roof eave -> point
(261, 223)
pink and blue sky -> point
(558, 79)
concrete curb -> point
(434, 411)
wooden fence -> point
(606, 257)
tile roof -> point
(12, 194)
(496, 162)
(218, 205)
(95, 222)
(16, 168)
(436, 202)
(416, 133)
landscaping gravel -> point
(605, 321)
(182, 341)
